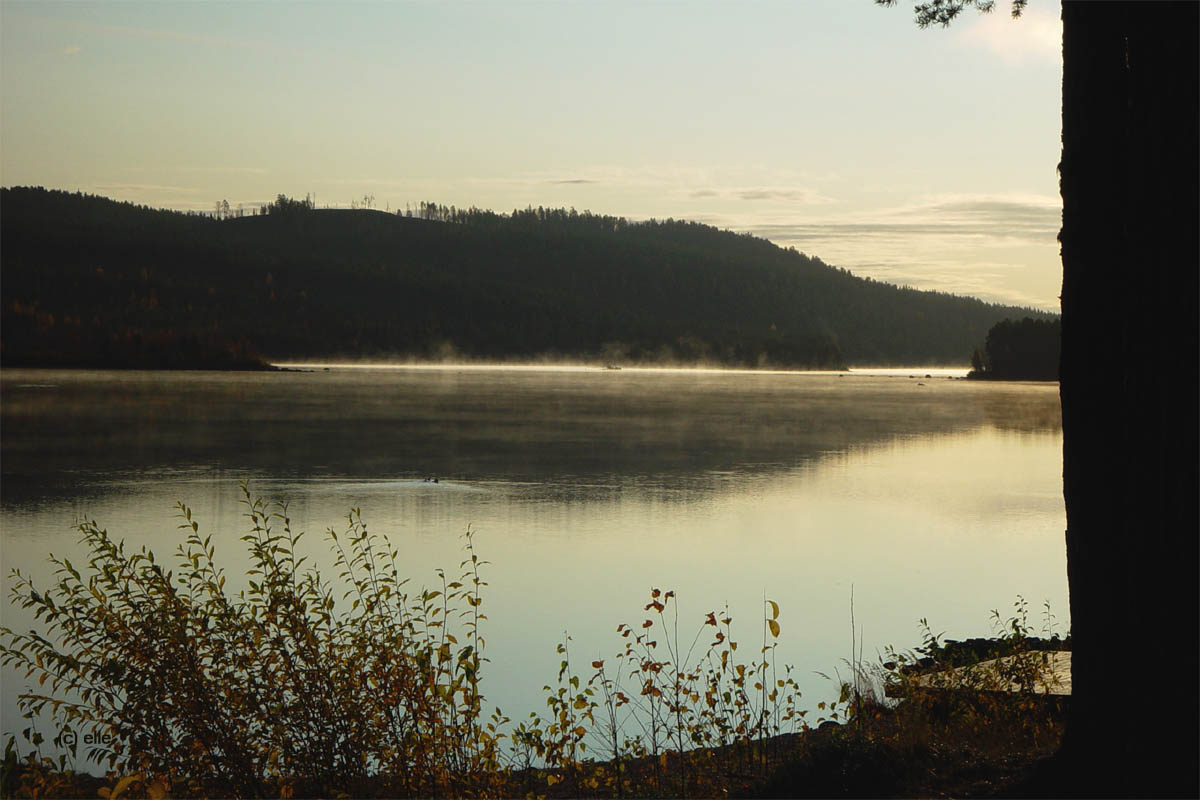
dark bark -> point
(1129, 395)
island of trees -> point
(1025, 350)
(88, 281)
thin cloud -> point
(205, 169)
(394, 183)
(680, 180)
(145, 187)
(981, 281)
(922, 265)
(1005, 216)
(656, 178)
(803, 195)
(1022, 217)
(991, 229)
(235, 170)
(975, 245)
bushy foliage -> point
(665, 718)
(278, 689)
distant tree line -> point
(1020, 350)
(285, 206)
(300, 282)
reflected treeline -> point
(65, 432)
(1020, 412)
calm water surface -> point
(932, 497)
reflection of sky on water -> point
(944, 505)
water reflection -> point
(69, 434)
(940, 500)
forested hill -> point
(87, 280)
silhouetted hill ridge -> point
(302, 283)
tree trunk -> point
(1129, 394)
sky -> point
(924, 158)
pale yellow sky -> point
(924, 158)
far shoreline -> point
(932, 372)
(955, 372)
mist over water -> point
(933, 497)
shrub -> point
(668, 719)
(277, 690)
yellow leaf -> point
(774, 626)
(774, 609)
(122, 785)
